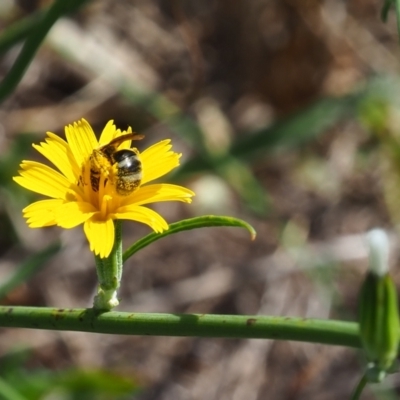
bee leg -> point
(95, 180)
(97, 167)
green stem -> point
(359, 388)
(109, 273)
(196, 325)
(33, 42)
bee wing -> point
(123, 138)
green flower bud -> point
(379, 320)
(378, 310)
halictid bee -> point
(127, 163)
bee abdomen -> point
(129, 171)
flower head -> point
(85, 191)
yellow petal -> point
(43, 180)
(82, 140)
(108, 133)
(143, 215)
(59, 153)
(72, 214)
(128, 143)
(158, 160)
(159, 192)
(100, 235)
(42, 213)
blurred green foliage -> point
(36, 383)
(12, 197)
(379, 113)
(27, 269)
(9, 162)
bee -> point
(126, 162)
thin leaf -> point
(19, 30)
(38, 32)
(188, 224)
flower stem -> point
(109, 273)
(359, 388)
(196, 325)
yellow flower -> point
(74, 201)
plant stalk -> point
(329, 332)
(109, 273)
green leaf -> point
(188, 224)
(28, 269)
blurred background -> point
(287, 115)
